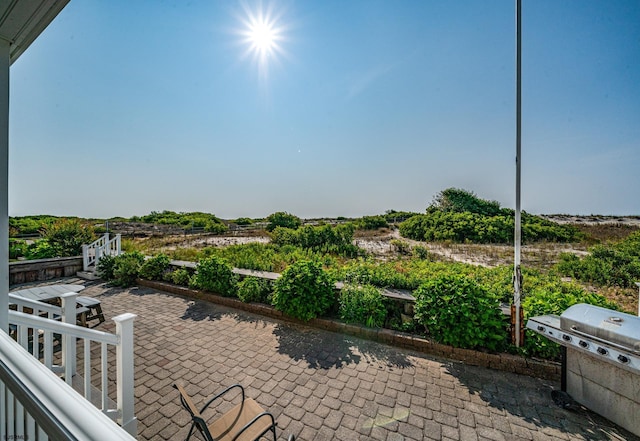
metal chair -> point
(246, 421)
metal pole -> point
(517, 275)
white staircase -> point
(92, 253)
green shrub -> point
(371, 223)
(458, 200)
(105, 267)
(68, 236)
(181, 276)
(457, 311)
(282, 219)
(400, 246)
(254, 289)
(421, 252)
(126, 268)
(42, 249)
(17, 248)
(323, 239)
(304, 291)
(243, 221)
(612, 264)
(154, 267)
(363, 305)
(214, 274)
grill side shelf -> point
(549, 326)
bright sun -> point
(262, 35)
(263, 38)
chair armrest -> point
(221, 394)
(256, 418)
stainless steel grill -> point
(601, 363)
(609, 335)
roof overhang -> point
(21, 21)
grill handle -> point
(574, 328)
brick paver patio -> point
(325, 386)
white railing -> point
(103, 246)
(36, 405)
(37, 335)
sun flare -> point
(262, 35)
(263, 38)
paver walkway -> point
(325, 386)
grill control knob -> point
(602, 351)
(566, 337)
(540, 328)
(623, 359)
(583, 344)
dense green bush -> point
(457, 311)
(214, 274)
(460, 216)
(461, 227)
(181, 276)
(613, 264)
(126, 268)
(254, 289)
(155, 267)
(28, 225)
(68, 236)
(371, 223)
(304, 291)
(362, 304)
(41, 249)
(282, 219)
(243, 221)
(456, 200)
(323, 238)
(421, 252)
(105, 267)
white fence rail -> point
(41, 335)
(36, 405)
(104, 246)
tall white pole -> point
(517, 275)
(4, 185)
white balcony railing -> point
(36, 405)
(103, 246)
(39, 335)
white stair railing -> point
(36, 405)
(103, 246)
(30, 329)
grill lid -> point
(603, 324)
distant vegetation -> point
(60, 237)
(209, 222)
(460, 216)
(616, 264)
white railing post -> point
(85, 257)
(124, 373)
(118, 244)
(99, 251)
(69, 341)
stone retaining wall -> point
(43, 269)
(504, 362)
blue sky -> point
(121, 108)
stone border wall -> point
(503, 362)
(43, 269)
